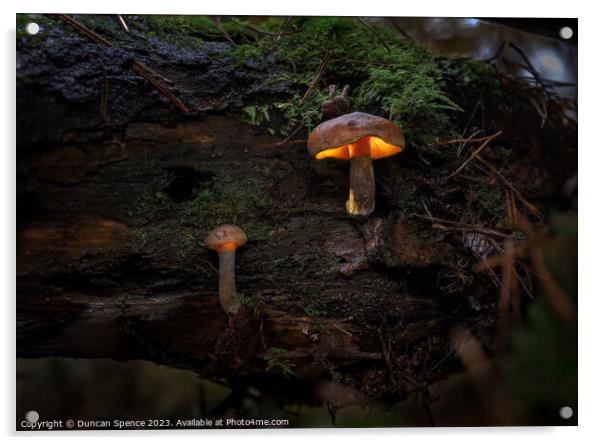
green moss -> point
(473, 75)
(230, 200)
(191, 30)
(492, 207)
(315, 307)
(402, 82)
(255, 301)
(273, 357)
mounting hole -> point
(32, 28)
(32, 416)
(566, 412)
(566, 32)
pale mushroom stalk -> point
(227, 282)
(361, 186)
(225, 239)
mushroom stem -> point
(227, 282)
(331, 90)
(361, 186)
(345, 91)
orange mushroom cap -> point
(356, 134)
(225, 238)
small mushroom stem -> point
(345, 91)
(361, 187)
(331, 91)
(227, 282)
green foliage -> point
(224, 200)
(254, 301)
(231, 201)
(192, 30)
(274, 359)
(245, 52)
(400, 80)
(413, 98)
(257, 114)
(473, 74)
(315, 306)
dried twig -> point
(463, 141)
(284, 26)
(468, 122)
(317, 76)
(288, 138)
(497, 54)
(461, 226)
(400, 29)
(380, 39)
(510, 206)
(138, 67)
(122, 23)
(473, 155)
(558, 300)
(104, 96)
(534, 210)
(271, 34)
(504, 303)
(473, 357)
(162, 89)
(84, 30)
(218, 23)
(542, 111)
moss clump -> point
(238, 201)
(184, 30)
(491, 207)
(192, 30)
(473, 75)
(315, 306)
(391, 77)
(223, 200)
(273, 358)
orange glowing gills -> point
(371, 146)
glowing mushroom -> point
(225, 240)
(359, 138)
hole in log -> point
(185, 183)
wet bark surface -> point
(113, 204)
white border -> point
(589, 248)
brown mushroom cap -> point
(341, 103)
(225, 238)
(356, 134)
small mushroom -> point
(359, 138)
(335, 105)
(341, 102)
(329, 109)
(225, 239)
